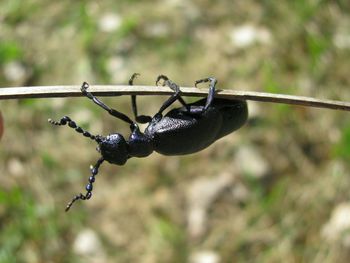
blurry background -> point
(276, 190)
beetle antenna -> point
(66, 120)
(88, 187)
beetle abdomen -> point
(179, 133)
(234, 115)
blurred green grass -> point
(140, 211)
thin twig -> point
(117, 90)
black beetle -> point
(184, 130)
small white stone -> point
(14, 71)
(87, 243)
(338, 225)
(196, 218)
(249, 161)
(342, 40)
(15, 167)
(247, 35)
(205, 257)
(203, 191)
(110, 22)
(201, 194)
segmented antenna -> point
(88, 187)
(66, 120)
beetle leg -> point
(174, 97)
(66, 120)
(211, 92)
(111, 111)
(138, 118)
(88, 187)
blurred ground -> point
(276, 190)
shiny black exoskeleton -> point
(184, 130)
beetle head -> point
(113, 148)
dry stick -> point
(117, 90)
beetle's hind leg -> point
(211, 92)
(138, 118)
(88, 187)
(174, 97)
(66, 120)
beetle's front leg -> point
(113, 112)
